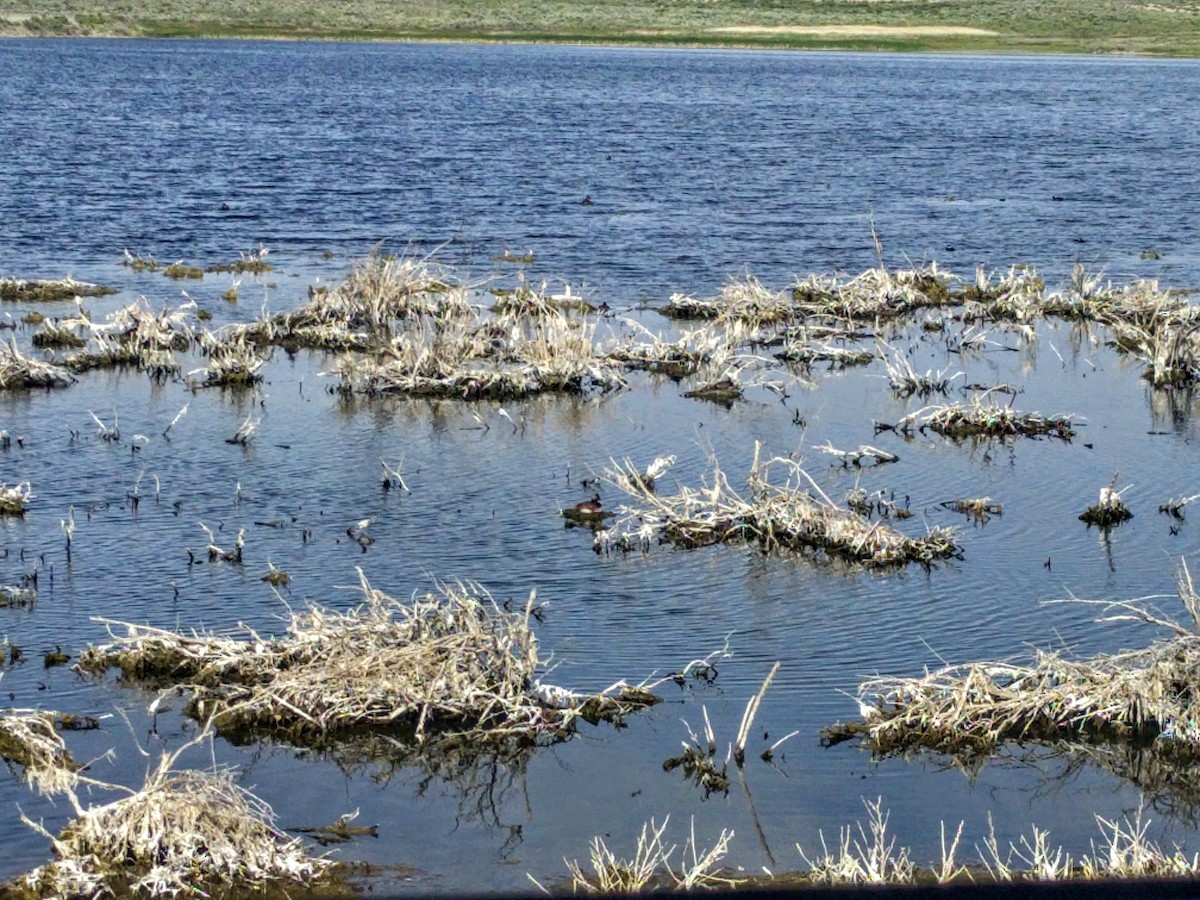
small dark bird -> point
(589, 512)
(586, 201)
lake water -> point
(701, 166)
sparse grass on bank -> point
(1106, 26)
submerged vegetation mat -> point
(450, 662)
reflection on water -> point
(695, 176)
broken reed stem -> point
(743, 735)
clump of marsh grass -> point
(233, 361)
(746, 301)
(874, 295)
(13, 500)
(1174, 507)
(969, 710)
(178, 270)
(181, 832)
(134, 335)
(1110, 509)
(906, 381)
(652, 866)
(677, 358)
(452, 664)
(20, 371)
(253, 262)
(1016, 295)
(139, 263)
(58, 334)
(28, 738)
(979, 419)
(1160, 328)
(34, 291)
(796, 515)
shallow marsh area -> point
(139, 511)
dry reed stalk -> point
(651, 866)
(448, 662)
(904, 379)
(13, 500)
(870, 858)
(677, 358)
(746, 301)
(181, 832)
(783, 517)
(969, 710)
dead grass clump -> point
(676, 358)
(988, 420)
(876, 294)
(58, 334)
(136, 336)
(1160, 328)
(13, 500)
(652, 866)
(906, 381)
(19, 371)
(776, 517)
(182, 832)
(450, 661)
(1109, 510)
(178, 271)
(746, 301)
(232, 362)
(29, 739)
(1152, 694)
(1016, 295)
(34, 291)
(253, 262)
(140, 263)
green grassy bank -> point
(1154, 27)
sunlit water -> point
(700, 166)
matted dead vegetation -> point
(182, 831)
(29, 739)
(20, 371)
(960, 421)
(20, 290)
(451, 661)
(1146, 695)
(793, 516)
(136, 336)
(13, 500)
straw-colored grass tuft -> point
(29, 739)
(183, 832)
(984, 420)
(13, 500)
(652, 866)
(20, 371)
(1151, 694)
(451, 661)
(795, 516)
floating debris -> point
(13, 595)
(855, 457)
(1175, 506)
(981, 509)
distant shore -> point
(1105, 27)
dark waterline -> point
(701, 165)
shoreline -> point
(877, 36)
